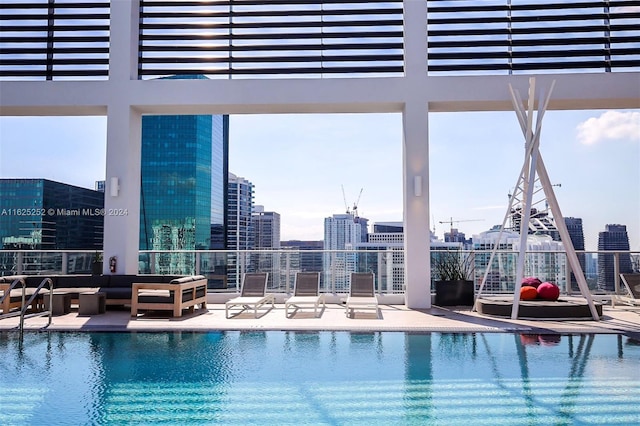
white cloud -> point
(611, 125)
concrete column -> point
(123, 40)
(415, 40)
(122, 193)
(415, 153)
(124, 133)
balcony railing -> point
(224, 269)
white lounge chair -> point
(253, 294)
(631, 283)
(306, 292)
(362, 294)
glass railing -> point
(224, 268)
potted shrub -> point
(453, 272)
(96, 264)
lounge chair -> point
(362, 293)
(253, 294)
(631, 282)
(306, 292)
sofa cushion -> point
(169, 278)
(17, 293)
(99, 280)
(181, 280)
(121, 293)
(73, 291)
(34, 281)
(119, 281)
(72, 281)
(188, 294)
(155, 296)
(11, 278)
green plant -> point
(452, 265)
(97, 257)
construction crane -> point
(354, 210)
(355, 204)
(344, 197)
(451, 222)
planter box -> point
(454, 293)
(96, 268)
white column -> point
(415, 40)
(123, 40)
(122, 192)
(415, 154)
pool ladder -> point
(26, 303)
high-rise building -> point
(240, 235)
(386, 243)
(266, 227)
(613, 238)
(574, 226)
(541, 260)
(41, 214)
(386, 257)
(455, 236)
(100, 185)
(388, 227)
(342, 232)
(591, 269)
(307, 260)
(184, 161)
(266, 230)
(184, 165)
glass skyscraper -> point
(576, 233)
(184, 159)
(240, 198)
(614, 238)
(184, 185)
(41, 214)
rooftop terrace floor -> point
(619, 319)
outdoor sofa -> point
(118, 289)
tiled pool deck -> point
(619, 319)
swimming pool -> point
(333, 378)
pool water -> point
(318, 378)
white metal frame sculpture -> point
(534, 167)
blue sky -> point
(299, 164)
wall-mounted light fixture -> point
(417, 186)
(114, 187)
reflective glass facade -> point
(41, 214)
(614, 238)
(219, 183)
(240, 233)
(184, 165)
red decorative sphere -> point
(548, 291)
(531, 281)
(528, 293)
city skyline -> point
(475, 159)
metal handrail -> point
(23, 311)
(7, 293)
(25, 303)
